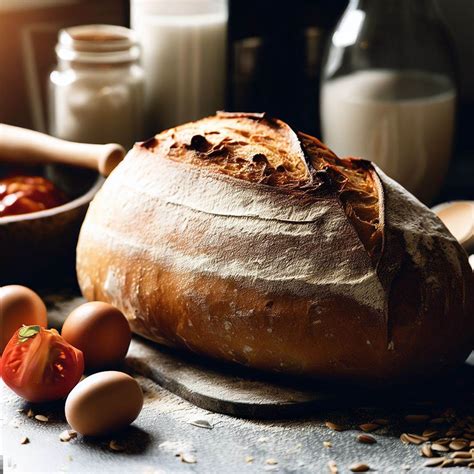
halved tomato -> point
(39, 365)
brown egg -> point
(103, 403)
(19, 305)
(100, 331)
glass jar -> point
(96, 91)
(184, 46)
(388, 91)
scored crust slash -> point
(240, 239)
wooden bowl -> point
(38, 248)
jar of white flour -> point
(96, 91)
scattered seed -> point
(271, 462)
(426, 451)
(381, 421)
(201, 424)
(25, 440)
(443, 441)
(458, 445)
(332, 466)
(249, 459)
(359, 467)
(67, 435)
(471, 466)
(187, 458)
(453, 433)
(433, 462)
(42, 418)
(439, 448)
(447, 463)
(366, 439)
(430, 433)
(469, 436)
(471, 444)
(30, 413)
(462, 462)
(406, 467)
(334, 426)
(461, 455)
(114, 446)
(410, 438)
(416, 418)
(327, 444)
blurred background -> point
(273, 56)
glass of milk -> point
(388, 91)
(184, 45)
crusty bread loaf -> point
(239, 239)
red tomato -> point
(39, 365)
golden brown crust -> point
(327, 269)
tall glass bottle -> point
(388, 91)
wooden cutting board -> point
(238, 391)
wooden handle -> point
(20, 145)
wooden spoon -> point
(20, 145)
(458, 216)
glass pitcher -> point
(388, 91)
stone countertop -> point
(163, 438)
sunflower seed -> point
(433, 462)
(201, 424)
(369, 427)
(187, 458)
(426, 451)
(458, 445)
(332, 466)
(413, 438)
(471, 466)
(416, 418)
(327, 444)
(430, 433)
(25, 440)
(359, 467)
(271, 462)
(334, 426)
(447, 463)
(366, 439)
(42, 418)
(453, 433)
(30, 413)
(439, 448)
(462, 462)
(461, 455)
(443, 441)
(67, 435)
(249, 459)
(114, 446)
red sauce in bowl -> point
(25, 194)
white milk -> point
(403, 121)
(184, 58)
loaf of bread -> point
(240, 239)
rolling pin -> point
(20, 145)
